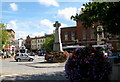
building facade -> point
(79, 35)
(11, 36)
(28, 42)
(114, 40)
(86, 36)
(18, 43)
(68, 36)
(10, 48)
(35, 44)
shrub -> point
(86, 65)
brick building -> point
(79, 35)
(28, 42)
(86, 36)
(11, 35)
(34, 44)
(68, 36)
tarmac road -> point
(40, 70)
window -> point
(84, 34)
(66, 35)
(73, 35)
(118, 46)
(21, 54)
(117, 36)
(38, 46)
(92, 34)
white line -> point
(9, 75)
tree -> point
(48, 44)
(3, 36)
(105, 13)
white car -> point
(23, 56)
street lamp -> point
(76, 41)
(100, 35)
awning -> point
(9, 48)
(6, 48)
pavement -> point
(49, 73)
(54, 76)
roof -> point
(10, 30)
(42, 36)
(69, 27)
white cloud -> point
(38, 34)
(49, 3)
(46, 22)
(47, 26)
(67, 13)
(14, 6)
(36, 28)
(12, 24)
(21, 34)
(64, 25)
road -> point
(40, 70)
(36, 70)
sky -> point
(36, 18)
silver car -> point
(23, 56)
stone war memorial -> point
(57, 43)
(57, 55)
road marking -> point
(13, 75)
(9, 75)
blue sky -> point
(37, 18)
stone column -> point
(57, 47)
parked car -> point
(23, 56)
(116, 54)
(115, 57)
(31, 54)
(41, 54)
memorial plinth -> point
(58, 55)
(57, 43)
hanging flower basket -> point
(88, 64)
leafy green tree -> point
(4, 41)
(48, 44)
(105, 13)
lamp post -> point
(100, 34)
(76, 41)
